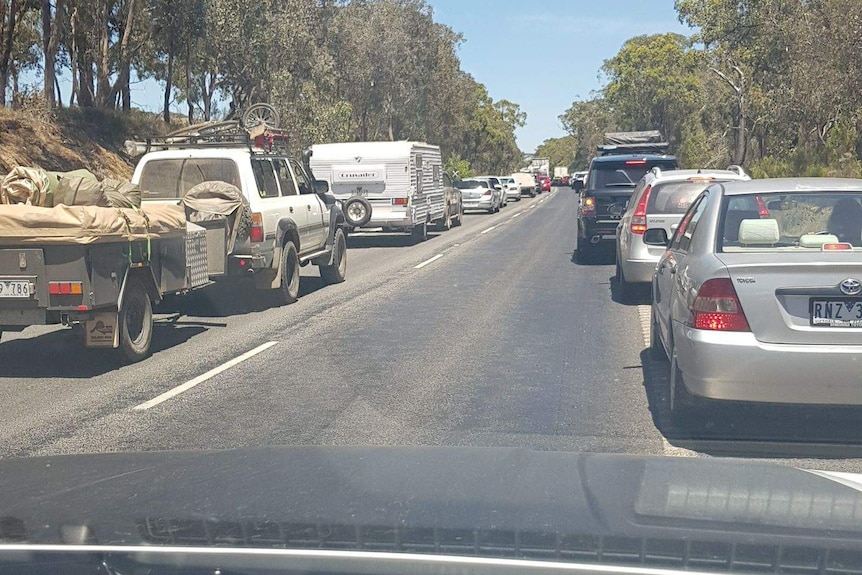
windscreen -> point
(172, 178)
(790, 221)
(674, 197)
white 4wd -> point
(294, 220)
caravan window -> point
(436, 175)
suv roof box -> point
(645, 142)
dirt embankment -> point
(70, 139)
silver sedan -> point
(758, 297)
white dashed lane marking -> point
(428, 261)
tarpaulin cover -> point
(22, 224)
(213, 201)
(25, 186)
(625, 138)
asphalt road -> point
(487, 335)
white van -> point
(393, 186)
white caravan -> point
(396, 186)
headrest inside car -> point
(759, 232)
(816, 240)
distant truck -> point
(561, 172)
(540, 166)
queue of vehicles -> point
(217, 202)
(756, 285)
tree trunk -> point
(7, 49)
(104, 95)
(189, 101)
(124, 77)
(47, 38)
(741, 147)
(73, 55)
(166, 110)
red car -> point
(543, 184)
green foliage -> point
(458, 168)
(771, 84)
(560, 151)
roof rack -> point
(656, 171)
(736, 168)
(644, 148)
(222, 134)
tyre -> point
(288, 291)
(335, 272)
(460, 219)
(445, 223)
(357, 212)
(419, 233)
(135, 322)
(656, 349)
(682, 405)
(492, 210)
(624, 288)
(584, 253)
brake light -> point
(487, 193)
(65, 288)
(256, 234)
(589, 208)
(399, 202)
(638, 225)
(717, 307)
(837, 247)
(636, 162)
(761, 207)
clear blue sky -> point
(511, 44)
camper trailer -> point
(388, 186)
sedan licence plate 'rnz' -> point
(836, 312)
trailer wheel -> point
(335, 273)
(419, 233)
(289, 290)
(445, 223)
(136, 322)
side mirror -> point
(578, 185)
(321, 186)
(656, 237)
(498, 188)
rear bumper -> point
(482, 204)
(590, 228)
(737, 367)
(639, 271)
(513, 194)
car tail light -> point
(487, 193)
(636, 162)
(638, 225)
(761, 207)
(65, 288)
(837, 247)
(399, 202)
(589, 208)
(256, 234)
(717, 307)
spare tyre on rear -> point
(357, 212)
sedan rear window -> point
(470, 185)
(674, 197)
(781, 221)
